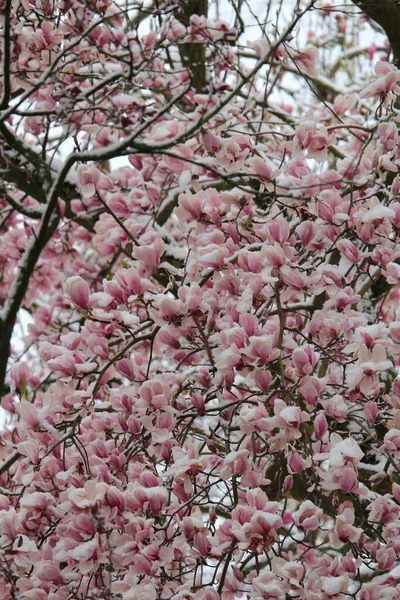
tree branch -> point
(387, 14)
(193, 54)
(20, 284)
(6, 55)
(28, 211)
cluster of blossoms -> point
(207, 405)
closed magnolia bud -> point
(396, 492)
(296, 463)
(134, 425)
(212, 515)
(263, 380)
(348, 480)
(371, 411)
(320, 426)
(288, 483)
(78, 292)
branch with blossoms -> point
(54, 186)
(206, 403)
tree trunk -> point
(193, 55)
(387, 14)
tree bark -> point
(193, 55)
(387, 14)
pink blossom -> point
(305, 359)
(260, 532)
(232, 153)
(88, 176)
(150, 255)
(349, 250)
(333, 586)
(78, 292)
(371, 50)
(126, 368)
(291, 416)
(371, 411)
(28, 413)
(344, 530)
(202, 543)
(269, 586)
(307, 60)
(278, 230)
(314, 140)
(295, 463)
(386, 558)
(263, 380)
(192, 204)
(64, 364)
(49, 572)
(348, 480)
(262, 348)
(394, 329)
(391, 441)
(98, 345)
(320, 426)
(311, 388)
(344, 451)
(200, 352)
(274, 255)
(20, 375)
(264, 170)
(228, 359)
(212, 142)
(86, 554)
(384, 84)
(308, 516)
(214, 256)
(336, 407)
(343, 103)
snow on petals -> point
(384, 84)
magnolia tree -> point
(200, 213)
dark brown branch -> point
(28, 211)
(20, 284)
(193, 55)
(6, 55)
(9, 462)
(387, 14)
(14, 170)
(17, 156)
